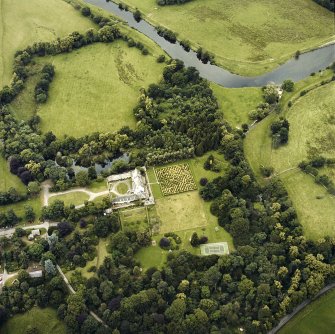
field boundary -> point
(300, 307)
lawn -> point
(24, 22)
(7, 179)
(236, 103)
(247, 37)
(184, 213)
(122, 188)
(97, 186)
(45, 320)
(181, 212)
(134, 219)
(90, 86)
(318, 317)
(35, 203)
(75, 198)
(154, 256)
(311, 132)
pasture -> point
(236, 103)
(247, 37)
(45, 320)
(318, 317)
(89, 89)
(311, 130)
(25, 22)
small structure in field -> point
(217, 248)
(33, 234)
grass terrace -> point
(75, 198)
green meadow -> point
(24, 22)
(318, 317)
(7, 179)
(247, 37)
(236, 103)
(311, 130)
(45, 320)
(95, 89)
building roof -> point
(138, 188)
(36, 273)
(35, 232)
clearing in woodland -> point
(90, 85)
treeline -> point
(75, 40)
(42, 87)
(171, 2)
(312, 167)
(329, 4)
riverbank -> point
(295, 69)
(245, 39)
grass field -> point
(184, 213)
(97, 186)
(90, 86)
(154, 256)
(318, 317)
(311, 132)
(45, 320)
(180, 212)
(75, 198)
(24, 22)
(236, 103)
(7, 179)
(247, 37)
(134, 219)
(18, 208)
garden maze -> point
(175, 179)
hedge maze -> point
(175, 179)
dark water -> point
(294, 69)
(99, 168)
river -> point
(294, 69)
